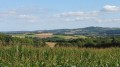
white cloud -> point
(38, 15)
(77, 19)
(78, 14)
(111, 8)
(8, 13)
(92, 19)
(113, 20)
(17, 15)
(28, 18)
(91, 16)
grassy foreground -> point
(28, 56)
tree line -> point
(9, 40)
(97, 42)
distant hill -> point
(90, 31)
(86, 31)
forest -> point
(95, 42)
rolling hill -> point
(89, 31)
(86, 31)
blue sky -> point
(18, 15)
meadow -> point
(29, 56)
(58, 36)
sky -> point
(29, 15)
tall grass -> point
(28, 56)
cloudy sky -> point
(19, 15)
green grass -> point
(70, 36)
(81, 36)
(28, 56)
(19, 35)
(23, 35)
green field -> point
(28, 56)
(59, 36)
(23, 35)
(70, 36)
(19, 35)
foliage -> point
(9, 40)
(98, 42)
(27, 56)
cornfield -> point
(28, 56)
